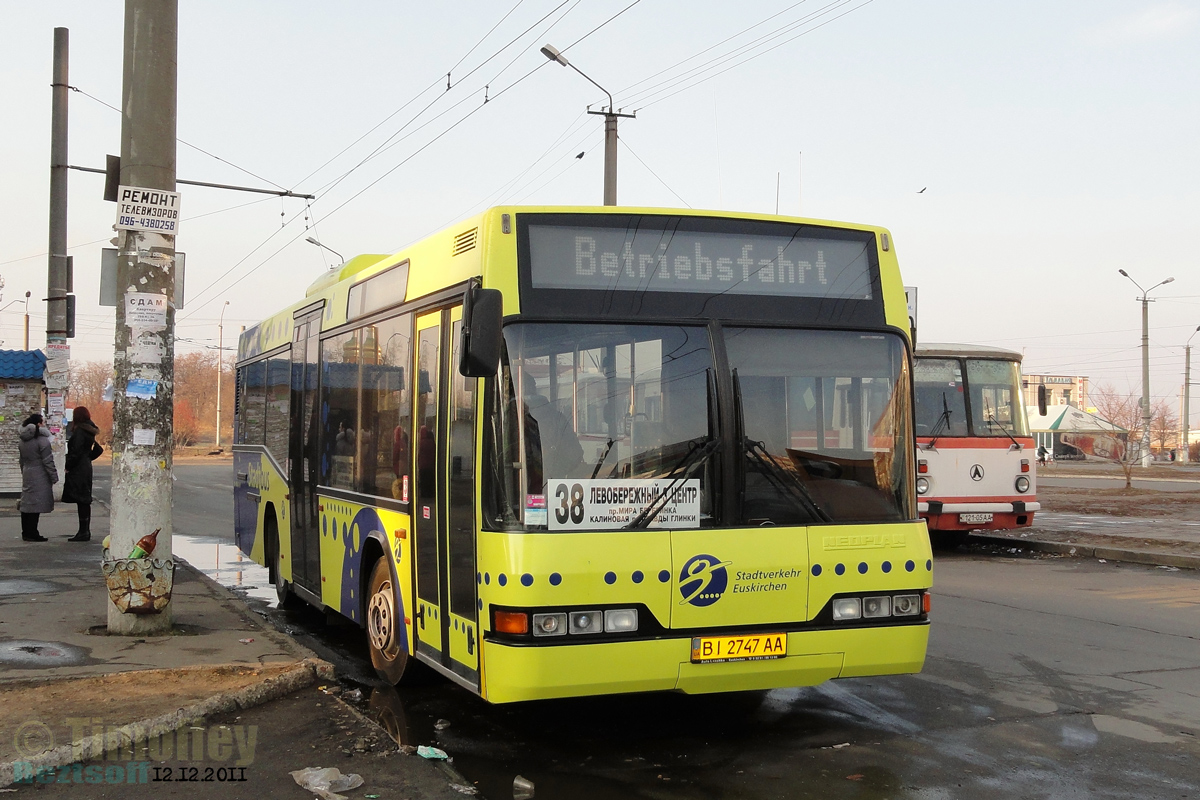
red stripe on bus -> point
(974, 443)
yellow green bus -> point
(566, 451)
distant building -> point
(1071, 390)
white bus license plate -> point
(974, 518)
(739, 648)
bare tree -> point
(1124, 410)
(1164, 426)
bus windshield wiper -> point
(786, 482)
(697, 456)
(943, 423)
(991, 417)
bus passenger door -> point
(425, 508)
(447, 628)
(302, 455)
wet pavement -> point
(1045, 678)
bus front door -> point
(302, 455)
(444, 526)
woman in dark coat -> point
(82, 450)
(38, 476)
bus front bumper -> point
(539, 672)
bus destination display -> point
(657, 260)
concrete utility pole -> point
(220, 368)
(610, 127)
(58, 275)
(1187, 396)
(1146, 414)
(145, 342)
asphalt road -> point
(1118, 481)
(1045, 678)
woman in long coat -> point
(81, 451)
(38, 476)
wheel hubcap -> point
(380, 618)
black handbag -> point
(96, 452)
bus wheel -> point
(383, 630)
(283, 591)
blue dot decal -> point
(479, 602)
(555, 579)
(638, 576)
(527, 579)
(610, 578)
(502, 580)
(929, 565)
(816, 570)
(478, 577)
(487, 579)
(664, 576)
(887, 566)
(862, 568)
(840, 569)
(909, 565)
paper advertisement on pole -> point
(145, 310)
(147, 210)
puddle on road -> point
(31, 654)
(23, 586)
(221, 560)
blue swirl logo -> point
(703, 580)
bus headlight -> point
(906, 605)
(922, 485)
(620, 620)
(587, 622)
(549, 624)
(846, 608)
(1022, 484)
(876, 607)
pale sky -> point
(1057, 142)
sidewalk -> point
(71, 693)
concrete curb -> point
(303, 674)
(1150, 557)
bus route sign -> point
(147, 210)
(575, 504)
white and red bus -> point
(976, 465)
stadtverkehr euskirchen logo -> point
(703, 580)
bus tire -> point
(383, 630)
(283, 590)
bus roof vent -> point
(465, 241)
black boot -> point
(29, 528)
(85, 524)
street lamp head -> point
(1123, 272)
(311, 240)
(551, 52)
(1168, 280)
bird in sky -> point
(923, 190)
(581, 154)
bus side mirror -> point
(1042, 399)
(483, 313)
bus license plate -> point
(975, 518)
(754, 647)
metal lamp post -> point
(220, 369)
(610, 127)
(1145, 363)
(1187, 393)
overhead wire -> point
(652, 172)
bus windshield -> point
(825, 418)
(941, 408)
(592, 409)
(995, 389)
